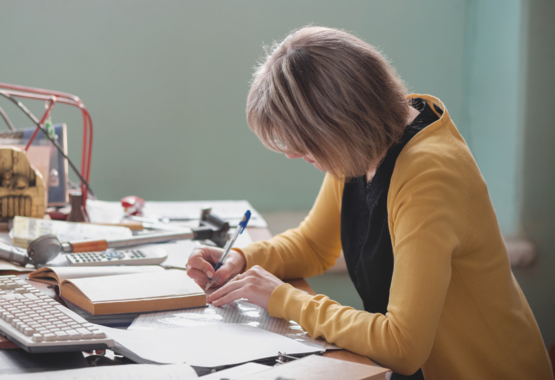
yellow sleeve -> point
(425, 204)
(310, 249)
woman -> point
(404, 200)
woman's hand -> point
(256, 285)
(200, 266)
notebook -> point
(151, 290)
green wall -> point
(166, 83)
(538, 164)
(493, 101)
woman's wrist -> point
(240, 260)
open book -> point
(117, 290)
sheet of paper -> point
(9, 268)
(231, 211)
(240, 311)
(238, 371)
(205, 346)
(115, 372)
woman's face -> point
(307, 157)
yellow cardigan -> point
(455, 310)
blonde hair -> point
(328, 93)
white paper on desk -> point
(179, 250)
(115, 372)
(231, 211)
(205, 346)
(240, 311)
(238, 371)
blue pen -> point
(239, 230)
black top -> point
(365, 233)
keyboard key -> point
(61, 335)
(37, 337)
(73, 335)
(31, 296)
(73, 316)
(97, 334)
(49, 337)
(86, 334)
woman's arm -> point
(309, 249)
(305, 251)
(428, 224)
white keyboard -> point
(143, 256)
(37, 323)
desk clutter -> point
(170, 322)
(93, 265)
(310, 368)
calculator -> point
(142, 256)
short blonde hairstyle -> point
(328, 93)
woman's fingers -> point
(230, 286)
(203, 259)
(226, 289)
(229, 297)
(256, 285)
(200, 264)
(234, 264)
(198, 276)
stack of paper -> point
(184, 213)
(25, 230)
(204, 346)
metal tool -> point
(13, 254)
(46, 248)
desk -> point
(256, 234)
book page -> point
(139, 286)
(58, 274)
